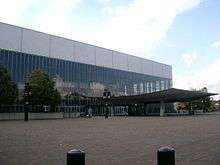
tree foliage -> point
(8, 89)
(43, 90)
(206, 104)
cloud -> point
(107, 11)
(215, 44)
(140, 26)
(208, 76)
(189, 58)
(52, 16)
(11, 11)
(56, 19)
(136, 28)
(104, 1)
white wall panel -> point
(61, 48)
(169, 72)
(157, 69)
(104, 57)
(147, 67)
(120, 61)
(134, 64)
(35, 43)
(84, 53)
(164, 68)
(10, 37)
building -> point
(79, 67)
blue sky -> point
(182, 33)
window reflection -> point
(78, 77)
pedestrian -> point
(90, 112)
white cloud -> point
(208, 76)
(107, 11)
(136, 28)
(104, 1)
(140, 26)
(189, 58)
(11, 11)
(215, 44)
(56, 19)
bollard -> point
(75, 157)
(26, 113)
(166, 156)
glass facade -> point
(87, 79)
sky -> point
(181, 33)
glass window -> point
(141, 88)
(121, 82)
(7, 59)
(162, 85)
(11, 64)
(25, 65)
(171, 84)
(157, 85)
(135, 88)
(125, 90)
(151, 87)
(21, 66)
(167, 84)
(14, 69)
(148, 87)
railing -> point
(17, 112)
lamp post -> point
(135, 109)
(27, 94)
(106, 97)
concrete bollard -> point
(75, 157)
(166, 156)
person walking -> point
(90, 112)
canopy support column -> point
(162, 108)
(145, 109)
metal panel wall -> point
(35, 43)
(120, 61)
(166, 71)
(84, 53)
(134, 64)
(157, 69)
(10, 37)
(170, 72)
(147, 67)
(61, 48)
(104, 57)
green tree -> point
(43, 90)
(8, 89)
(206, 104)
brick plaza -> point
(115, 141)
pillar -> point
(162, 108)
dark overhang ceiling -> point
(168, 96)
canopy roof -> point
(168, 96)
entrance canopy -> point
(167, 96)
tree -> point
(43, 90)
(8, 89)
(206, 104)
